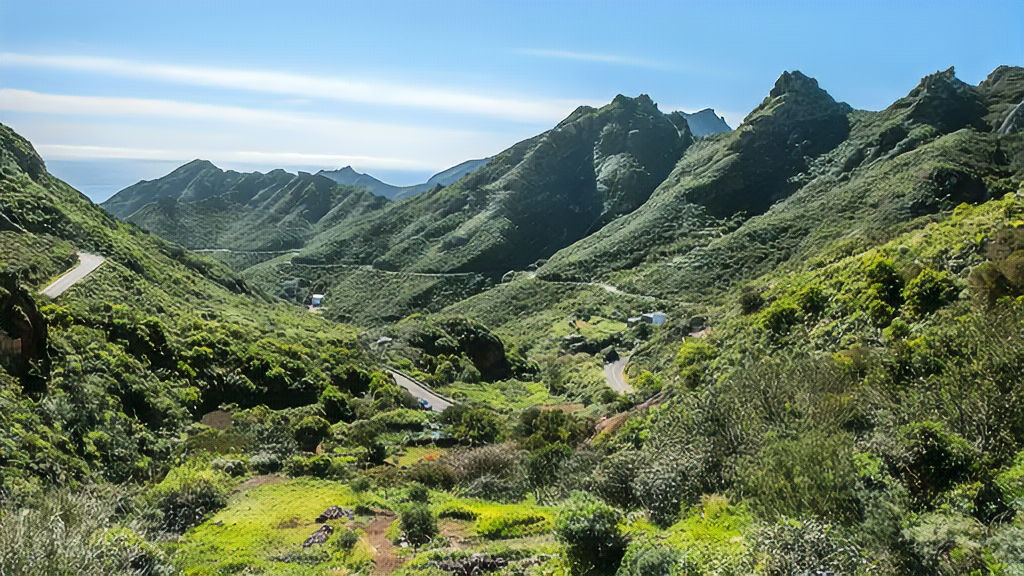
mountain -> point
(802, 173)
(350, 177)
(536, 197)
(200, 206)
(705, 122)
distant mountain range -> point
(705, 122)
(350, 177)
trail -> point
(376, 532)
(86, 264)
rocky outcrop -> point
(944, 102)
(796, 122)
(23, 335)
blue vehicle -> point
(424, 404)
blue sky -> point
(113, 92)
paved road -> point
(614, 372)
(419, 390)
(86, 264)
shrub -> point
(928, 292)
(418, 493)
(780, 317)
(808, 547)
(86, 530)
(230, 466)
(188, 495)
(693, 358)
(932, 460)
(589, 529)
(649, 559)
(432, 474)
(311, 431)
(750, 301)
(812, 300)
(419, 525)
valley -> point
(637, 343)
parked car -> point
(424, 404)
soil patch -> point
(218, 419)
(376, 532)
(257, 481)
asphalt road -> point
(417, 389)
(86, 264)
(614, 372)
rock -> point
(335, 513)
(320, 536)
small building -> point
(317, 301)
(383, 341)
(633, 320)
(656, 318)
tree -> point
(310, 431)
(589, 529)
(419, 525)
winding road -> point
(420, 390)
(86, 264)
(615, 374)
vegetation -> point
(839, 386)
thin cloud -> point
(77, 152)
(342, 89)
(14, 100)
(597, 58)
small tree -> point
(589, 529)
(310, 431)
(419, 525)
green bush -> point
(89, 530)
(645, 558)
(311, 431)
(188, 495)
(808, 547)
(419, 525)
(928, 292)
(693, 359)
(418, 493)
(589, 530)
(812, 300)
(931, 460)
(780, 317)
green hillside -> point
(838, 387)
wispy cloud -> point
(525, 109)
(14, 100)
(596, 58)
(76, 152)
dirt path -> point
(386, 559)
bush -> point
(589, 529)
(812, 300)
(418, 493)
(649, 559)
(780, 317)
(418, 525)
(87, 530)
(928, 292)
(188, 495)
(230, 466)
(311, 431)
(809, 547)
(319, 466)
(751, 301)
(693, 359)
(932, 460)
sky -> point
(113, 92)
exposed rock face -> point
(23, 335)
(944, 102)
(798, 120)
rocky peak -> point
(944, 102)
(797, 83)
